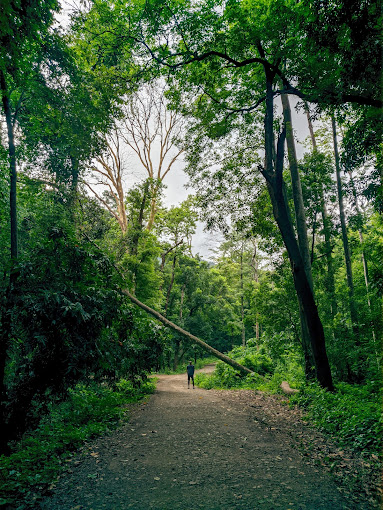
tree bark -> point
(330, 280)
(138, 226)
(6, 322)
(282, 216)
(242, 303)
(300, 214)
(12, 167)
(346, 249)
(182, 301)
(300, 217)
(186, 334)
(365, 265)
(171, 284)
(256, 279)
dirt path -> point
(195, 449)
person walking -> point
(190, 372)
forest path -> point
(202, 449)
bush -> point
(226, 377)
(38, 457)
(352, 414)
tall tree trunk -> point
(171, 284)
(303, 289)
(256, 279)
(242, 304)
(153, 206)
(300, 214)
(12, 167)
(330, 279)
(138, 227)
(300, 217)
(182, 301)
(6, 317)
(365, 266)
(346, 249)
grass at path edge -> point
(36, 461)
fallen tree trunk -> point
(187, 335)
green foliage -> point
(66, 319)
(225, 376)
(268, 372)
(352, 414)
(35, 462)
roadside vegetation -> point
(36, 461)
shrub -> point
(352, 414)
(37, 458)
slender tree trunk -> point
(300, 214)
(242, 304)
(74, 187)
(182, 301)
(138, 227)
(153, 207)
(123, 221)
(171, 284)
(6, 322)
(346, 249)
(300, 217)
(256, 279)
(365, 266)
(12, 167)
(303, 289)
(330, 280)
(5, 336)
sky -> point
(204, 242)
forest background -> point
(294, 289)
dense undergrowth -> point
(37, 459)
(352, 414)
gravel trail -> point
(188, 449)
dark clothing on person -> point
(190, 372)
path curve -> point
(189, 449)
